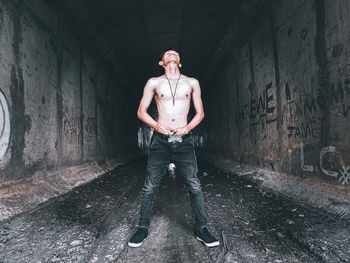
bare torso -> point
(173, 116)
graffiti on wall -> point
(338, 96)
(258, 109)
(71, 125)
(5, 125)
(343, 173)
(299, 122)
(263, 106)
(301, 114)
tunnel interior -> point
(273, 149)
(74, 73)
(274, 81)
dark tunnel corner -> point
(62, 104)
(286, 102)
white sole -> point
(136, 244)
(214, 244)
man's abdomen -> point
(173, 116)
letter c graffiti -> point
(5, 125)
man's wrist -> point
(155, 126)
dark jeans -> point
(182, 154)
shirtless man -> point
(172, 142)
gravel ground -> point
(94, 222)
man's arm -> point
(148, 93)
(198, 105)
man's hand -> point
(164, 129)
(181, 131)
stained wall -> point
(281, 96)
(62, 100)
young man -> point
(172, 142)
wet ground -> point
(94, 222)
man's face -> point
(171, 55)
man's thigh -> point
(186, 164)
(159, 156)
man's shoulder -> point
(190, 79)
(193, 81)
(155, 80)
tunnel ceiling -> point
(138, 30)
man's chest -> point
(182, 91)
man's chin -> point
(173, 62)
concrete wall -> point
(61, 101)
(283, 94)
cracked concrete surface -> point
(93, 223)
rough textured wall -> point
(290, 91)
(337, 42)
(61, 99)
(299, 83)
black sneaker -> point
(204, 236)
(137, 239)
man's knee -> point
(149, 189)
(194, 187)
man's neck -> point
(172, 71)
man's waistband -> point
(168, 136)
